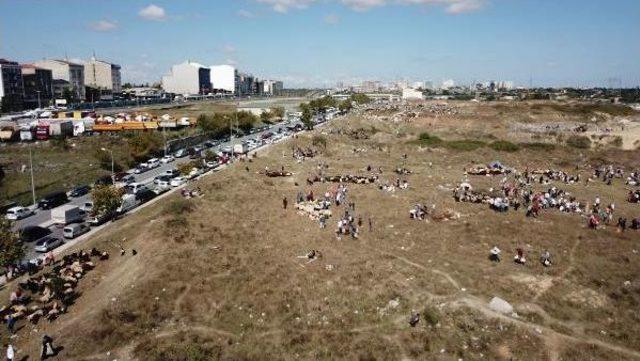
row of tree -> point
(320, 105)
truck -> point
(42, 132)
(129, 202)
(66, 214)
(240, 148)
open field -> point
(221, 278)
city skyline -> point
(309, 43)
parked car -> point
(104, 181)
(181, 153)
(75, 230)
(141, 168)
(79, 191)
(47, 244)
(17, 213)
(96, 220)
(30, 234)
(145, 195)
(128, 179)
(167, 159)
(53, 200)
(134, 188)
(162, 177)
(194, 173)
(212, 164)
(129, 202)
(87, 207)
(120, 176)
(162, 186)
(172, 173)
(153, 163)
(178, 181)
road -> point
(43, 217)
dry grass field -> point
(220, 277)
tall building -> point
(188, 78)
(102, 75)
(272, 87)
(11, 86)
(224, 79)
(38, 86)
(65, 70)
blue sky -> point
(320, 42)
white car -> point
(17, 213)
(87, 206)
(178, 181)
(167, 159)
(194, 173)
(153, 163)
(162, 187)
(212, 164)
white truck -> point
(240, 148)
(129, 202)
(66, 214)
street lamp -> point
(113, 173)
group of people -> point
(47, 349)
(191, 193)
(519, 257)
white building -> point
(102, 75)
(224, 78)
(272, 87)
(411, 94)
(187, 78)
(65, 70)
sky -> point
(317, 43)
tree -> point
(11, 249)
(106, 199)
(246, 120)
(67, 94)
(265, 117)
(360, 98)
(306, 116)
(345, 105)
(185, 168)
(144, 144)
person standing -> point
(11, 324)
(47, 347)
(284, 203)
(10, 353)
(370, 225)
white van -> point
(153, 163)
(17, 213)
(74, 230)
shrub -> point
(179, 206)
(616, 141)
(579, 141)
(429, 140)
(465, 145)
(538, 146)
(319, 141)
(504, 146)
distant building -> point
(70, 72)
(224, 79)
(38, 86)
(411, 94)
(11, 86)
(102, 75)
(188, 78)
(272, 87)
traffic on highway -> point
(64, 215)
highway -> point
(43, 217)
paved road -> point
(43, 217)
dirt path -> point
(542, 290)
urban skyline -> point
(573, 43)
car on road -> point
(181, 153)
(17, 213)
(128, 179)
(104, 181)
(226, 149)
(145, 195)
(172, 172)
(194, 173)
(53, 200)
(87, 207)
(134, 188)
(30, 234)
(153, 163)
(47, 244)
(141, 168)
(161, 177)
(96, 220)
(162, 186)
(75, 230)
(79, 191)
(120, 176)
(178, 181)
(167, 159)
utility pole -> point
(113, 173)
(38, 91)
(33, 187)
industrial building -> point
(103, 76)
(224, 79)
(188, 78)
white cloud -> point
(245, 14)
(331, 19)
(153, 13)
(103, 25)
(450, 6)
(282, 6)
(363, 5)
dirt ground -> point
(224, 277)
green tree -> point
(11, 249)
(246, 120)
(142, 145)
(106, 199)
(345, 105)
(185, 168)
(265, 117)
(306, 116)
(360, 98)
